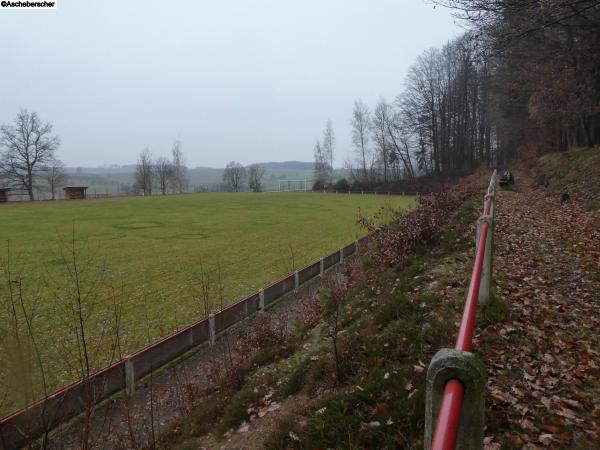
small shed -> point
(4, 195)
(75, 192)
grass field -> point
(146, 257)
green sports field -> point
(142, 259)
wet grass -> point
(148, 255)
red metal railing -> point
(448, 420)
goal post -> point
(294, 186)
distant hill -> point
(287, 165)
(119, 178)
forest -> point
(523, 80)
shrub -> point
(394, 245)
(318, 185)
(342, 185)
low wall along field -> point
(142, 264)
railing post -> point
(451, 364)
(356, 247)
(486, 270)
(296, 280)
(485, 201)
(322, 267)
(261, 299)
(341, 255)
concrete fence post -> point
(211, 329)
(451, 364)
(261, 299)
(296, 280)
(129, 378)
(322, 267)
(341, 255)
(356, 247)
(485, 284)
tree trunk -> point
(30, 184)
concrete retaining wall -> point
(308, 272)
(279, 288)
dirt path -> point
(543, 361)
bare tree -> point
(380, 135)
(400, 141)
(24, 376)
(54, 174)
(329, 145)
(144, 173)
(361, 125)
(322, 169)
(163, 169)
(255, 176)
(234, 176)
(179, 169)
(28, 144)
(333, 298)
(78, 298)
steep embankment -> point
(576, 173)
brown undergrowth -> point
(542, 357)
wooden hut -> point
(75, 192)
(4, 195)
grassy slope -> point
(149, 252)
(576, 172)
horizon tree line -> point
(28, 162)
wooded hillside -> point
(523, 80)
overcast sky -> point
(234, 80)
